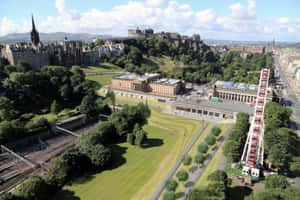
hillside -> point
(165, 63)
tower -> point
(35, 39)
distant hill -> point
(51, 37)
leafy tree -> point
(111, 95)
(99, 42)
(218, 176)
(216, 131)
(199, 158)
(99, 155)
(211, 140)
(57, 173)
(197, 194)
(231, 151)
(7, 110)
(76, 161)
(23, 66)
(130, 138)
(182, 175)
(8, 196)
(140, 135)
(202, 148)
(88, 105)
(171, 185)
(187, 160)
(34, 188)
(277, 115)
(276, 181)
(295, 164)
(54, 107)
(169, 195)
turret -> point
(35, 39)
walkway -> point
(195, 176)
(160, 188)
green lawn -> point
(102, 79)
(102, 67)
(165, 63)
(143, 168)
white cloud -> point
(60, 5)
(162, 15)
(155, 3)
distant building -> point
(64, 53)
(150, 83)
(238, 92)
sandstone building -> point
(65, 53)
(148, 83)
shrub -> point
(169, 195)
(34, 188)
(182, 175)
(199, 158)
(216, 131)
(171, 185)
(276, 181)
(58, 172)
(211, 140)
(187, 160)
(130, 138)
(100, 155)
(54, 107)
(202, 148)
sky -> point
(247, 20)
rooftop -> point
(237, 86)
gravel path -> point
(160, 188)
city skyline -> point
(229, 20)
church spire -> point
(35, 39)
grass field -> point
(102, 79)
(142, 169)
(214, 162)
(165, 63)
(102, 67)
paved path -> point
(195, 176)
(103, 73)
(160, 188)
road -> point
(160, 188)
(289, 94)
(195, 176)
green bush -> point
(211, 140)
(169, 195)
(187, 160)
(58, 172)
(202, 148)
(34, 188)
(182, 175)
(199, 158)
(130, 138)
(171, 185)
(216, 131)
(276, 181)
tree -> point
(76, 161)
(182, 175)
(199, 158)
(54, 107)
(276, 181)
(216, 131)
(202, 148)
(23, 66)
(130, 138)
(34, 188)
(295, 164)
(100, 155)
(7, 110)
(218, 176)
(8, 196)
(187, 160)
(111, 95)
(140, 135)
(211, 140)
(58, 172)
(169, 195)
(197, 194)
(171, 185)
(99, 42)
(277, 115)
(88, 105)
